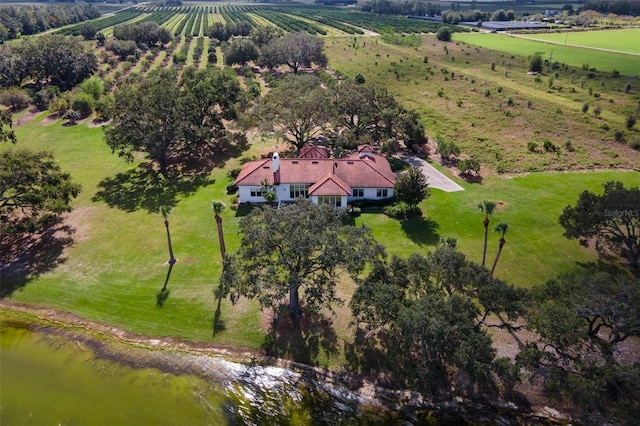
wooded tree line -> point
(415, 7)
(26, 20)
(618, 7)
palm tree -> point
(164, 211)
(501, 228)
(218, 207)
(487, 207)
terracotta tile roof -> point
(371, 171)
(330, 185)
(366, 148)
(314, 152)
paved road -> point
(435, 178)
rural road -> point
(435, 178)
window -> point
(358, 192)
(329, 199)
(298, 190)
(256, 192)
(382, 193)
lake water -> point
(51, 376)
(49, 379)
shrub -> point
(72, 116)
(569, 146)
(43, 98)
(631, 121)
(535, 65)
(179, 58)
(444, 34)
(14, 98)
(93, 86)
(548, 146)
(360, 79)
(104, 107)
(597, 111)
(585, 107)
(232, 188)
(233, 173)
(532, 146)
(354, 211)
(604, 126)
(82, 103)
(618, 135)
(402, 210)
(627, 88)
(469, 165)
(60, 105)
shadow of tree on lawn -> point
(26, 256)
(163, 294)
(421, 231)
(302, 340)
(144, 188)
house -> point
(361, 176)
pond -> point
(61, 376)
(49, 377)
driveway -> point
(435, 178)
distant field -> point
(572, 56)
(624, 40)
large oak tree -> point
(33, 190)
(162, 116)
(582, 320)
(295, 49)
(298, 109)
(612, 220)
(298, 248)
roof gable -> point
(330, 185)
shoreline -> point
(210, 361)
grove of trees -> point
(32, 19)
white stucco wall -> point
(282, 191)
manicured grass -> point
(116, 265)
(573, 56)
(622, 40)
(535, 250)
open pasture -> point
(623, 40)
(573, 56)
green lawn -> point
(622, 40)
(573, 56)
(116, 265)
